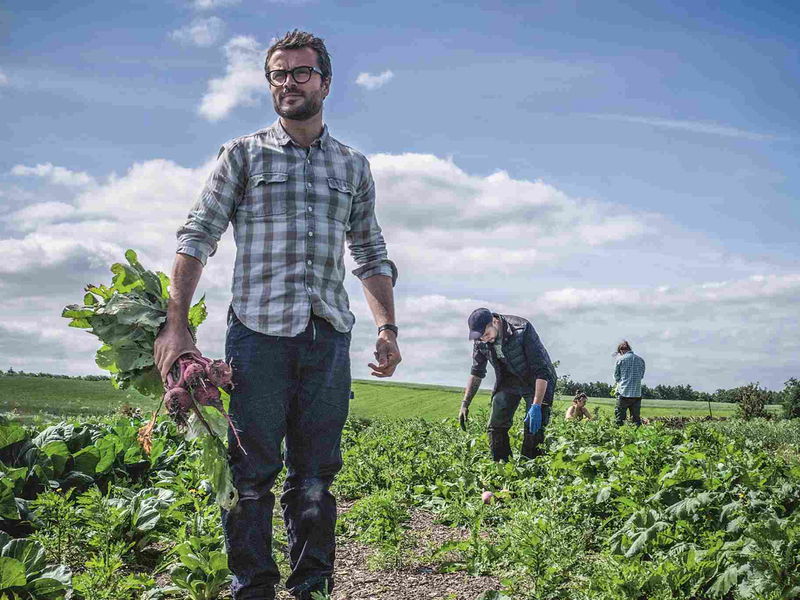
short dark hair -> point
(294, 40)
(624, 347)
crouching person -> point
(523, 370)
(577, 409)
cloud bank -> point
(585, 273)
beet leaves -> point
(127, 316)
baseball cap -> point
(478, 321)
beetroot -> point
(219, 373)
(193, 373)
(178, 398)
(178, 402)
(193, 382)
(207, 395)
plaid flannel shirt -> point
(292, 209)
(628, 374)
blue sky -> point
(605, 169)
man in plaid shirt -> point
(628, 374)
(294, 195)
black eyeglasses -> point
(299, 74)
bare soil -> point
(417, 578)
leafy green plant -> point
(201, 572)
(379, 520)
(104, 577)
(376, 519)
(25, 574)
(475, 555)
(59, 527)
(138, 514)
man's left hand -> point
(387, 355)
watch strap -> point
(388, 326)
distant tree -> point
(664, 392)
(791, 398)
(752, 400)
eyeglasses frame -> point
(291, 72)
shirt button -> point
(308, 185)
(309, 289)
(310, 208)
(308, 262)
(310, 234)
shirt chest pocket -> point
(267, 195)
(341, 199)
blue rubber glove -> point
(534, 418)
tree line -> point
(13, 373)
(600, 389)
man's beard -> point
(310, 107)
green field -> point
(709, 511)
(29, 398)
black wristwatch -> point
(388, 326)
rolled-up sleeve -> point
(479, 360)
(209, 217)
(364, 237)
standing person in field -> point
(523, 370)
(628, 374)
(577, 410)
(294, 194)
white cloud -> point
(54, 174)
(431, 208)
(212, 4)
(33, 216)
(200, 32)
(243, 83)
(460, 241)
(140, 209)
(373, 82)
(691, 126)
(746, 333)
(757, 288)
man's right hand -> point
(463, 415)
(172, 342)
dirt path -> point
(418, 581)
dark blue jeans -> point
(625, 404)
(297, 389)
(504, 404)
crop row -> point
(608, 513)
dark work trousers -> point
(297, 388)
(504, 404)
(622, 407)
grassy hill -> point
(383, 398)
(44, 398)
